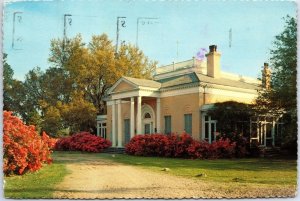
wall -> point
(176, 107)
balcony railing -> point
(192, 63)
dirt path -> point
(99, 178)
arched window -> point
(147, 116)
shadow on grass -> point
(115, 190)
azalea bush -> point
(23, 148)
(83, 141)
(179, 146)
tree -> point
(7, 84)
(281, 98)
(96, 67)
(79, 114)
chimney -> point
(266, 76)
(213, 62)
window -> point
(147, 116)
(188, 123)
(210, 129)
(102, 129)
(168, 125)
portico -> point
(134, 110)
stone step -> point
(114, 150)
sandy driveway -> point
(100, 178)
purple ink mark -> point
(201, 54)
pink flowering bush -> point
(83, 141)
(23, 148)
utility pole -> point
(14, 28)
(177, 43)
(118, 30)
(137, 26)
(65, 25)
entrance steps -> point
(271, 152)
(114, 150)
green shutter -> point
(167, 124)
(188, 123)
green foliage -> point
(282, 97)
(78, 105)
(230, 115)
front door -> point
(147, 128)
(127, 130)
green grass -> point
(253, 170)
(228, 174)
(38, 184)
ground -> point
(87, 175)
(102, 177)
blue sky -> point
(194, 24)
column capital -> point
(118, 101)
(158, 99)
(132, 99)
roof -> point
(198, 77)
(185, 79)
(179, 80)
(227, 82)
(143, 82)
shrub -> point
(199, 149)
(180, 146)
(83, 141)
(242, 143)
(23, 148)
(222, 148)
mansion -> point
(177, 101)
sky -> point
(181, 29)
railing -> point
(180, 65)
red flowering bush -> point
(83, 141)
(199, 149)
(23, 148)
(148, 145)
(179, 146)
(222, 148)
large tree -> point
(281, 98)
(95, 66)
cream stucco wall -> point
(176, 107)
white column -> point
(273, 132)
(98, 129)
(119, 124)
(158, 115)
(132, 117)
(138, 115)
(113, 112)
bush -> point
(182, 146)
(222, 148)
(23, 148)
(242, 143)
(83, 141)
(199, 149)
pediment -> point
(122, 85)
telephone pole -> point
(118, 30)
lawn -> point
(40, 184)
(252, 170)
(225, 175)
